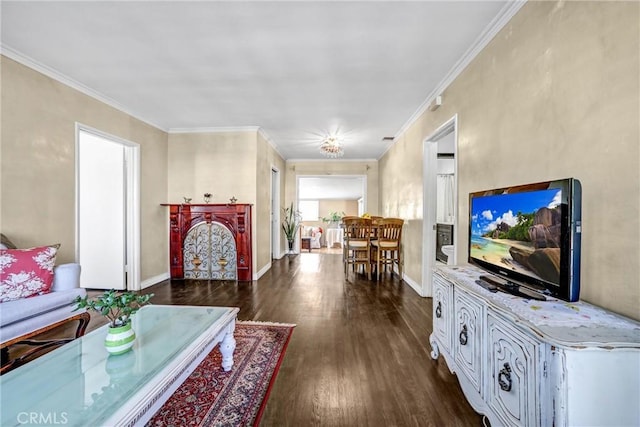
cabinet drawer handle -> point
(439, 310)
(463, 335)
(504, 377)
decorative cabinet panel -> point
(442, 311)
(467, 338)
(210, 253)
(532, 363)
(512, 362)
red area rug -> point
(212, 397)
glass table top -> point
(79, 384)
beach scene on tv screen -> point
(520, 232)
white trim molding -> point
(266, 136)
(504, 16)
(262, 271)
(74, 84)
(154, 280)
(413, 284)
(429, 217)
(332, 160)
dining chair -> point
(386, 248)
(374, 226)
(357, 247)
(344, 238)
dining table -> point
(334, 237)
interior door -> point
(101, 212)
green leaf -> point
(117, 307)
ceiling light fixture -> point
(331, 148)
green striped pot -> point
(120, 340)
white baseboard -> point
(413, 284)
(262, 271)
(155, 279)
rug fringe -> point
(259, 323)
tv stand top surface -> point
(563, 323)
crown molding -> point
(273, 145)
(504, 16)
(331, 160)
(74, 84)
(384, 153)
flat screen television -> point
(529, 235)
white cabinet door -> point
(442, 312)
(467, 338)
(511, 384)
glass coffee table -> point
(79, 384)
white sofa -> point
(316, 237)
(23, 316)
(27, 315)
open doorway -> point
(321, 198)
(440, 231)
(107, 210)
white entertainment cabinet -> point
(529, 363)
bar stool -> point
(387, 245)
(357, 247)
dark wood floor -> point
(359, 355)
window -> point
(309, 210)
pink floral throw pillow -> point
(26, 272)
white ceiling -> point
(296, 69)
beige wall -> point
(220, 163)
(38, 164)
(555, 94)
(349, 207)
(227, 164)
(401, 196)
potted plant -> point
(290, 224)
(118, 307)
(333, 219)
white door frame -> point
(430, 172)
(275, 213)
(132, 190)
